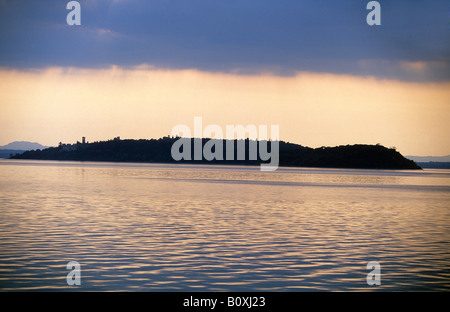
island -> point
(358, 156)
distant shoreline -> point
(434, 165)
(357, 156)
(423, 165)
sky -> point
(138, 68)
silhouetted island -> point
(159, 151)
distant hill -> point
(22, 146)
(18, 147)
(159, 151)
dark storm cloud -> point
(232, 35)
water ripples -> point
(144, 228)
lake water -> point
(153, 227)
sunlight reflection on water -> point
(220, 228)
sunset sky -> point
(137, 68)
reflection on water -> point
(151, 227)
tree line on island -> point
(359, 156)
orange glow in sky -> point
(311, 109)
